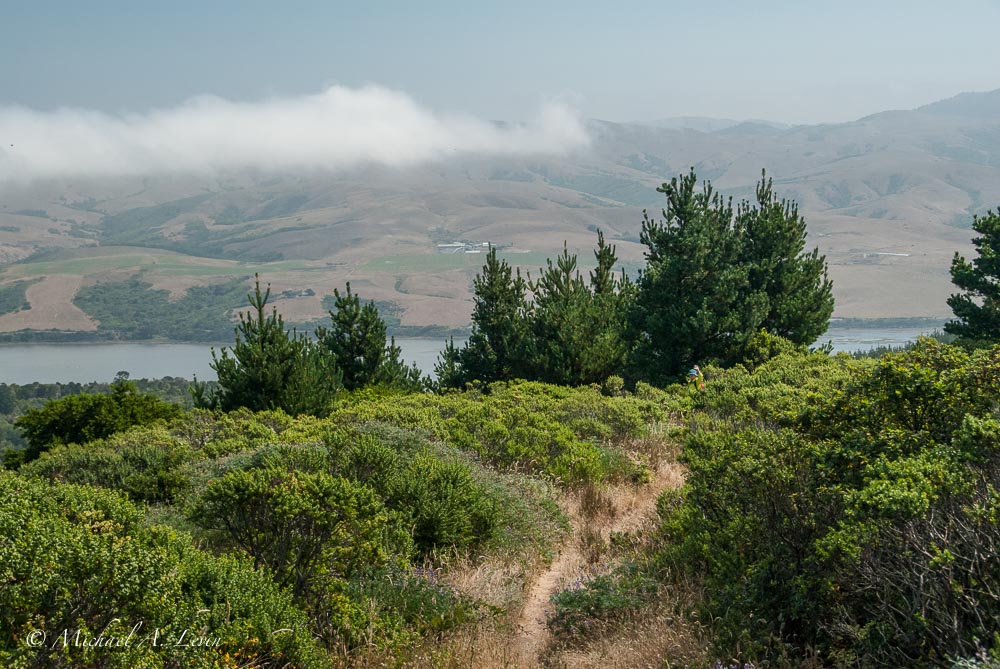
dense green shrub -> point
(77, 419)
(304, 526)
(416, 411)
(78, 558)
(311, 531)
(145, 463)
(846, 508)
(216, 434)
(445, 505)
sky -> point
(797, 62)
(114, 88)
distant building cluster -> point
(463, 247)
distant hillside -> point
(889, 198)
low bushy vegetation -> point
(344, 517)
(539, 428)
(835, 510)
(81, 564)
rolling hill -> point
(889, 199)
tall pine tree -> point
(716, 276)
(799, 292)
(694, 302)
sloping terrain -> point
(889, 198)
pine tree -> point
(356, 339)
(715, 277)
(560, 322)
(448, 368)
(395, 373)
(602, 279)
(977, 308)
(269, 367)
(496, 349)
(577, 330)
(608, 349)
(799, 293)
(694, 302)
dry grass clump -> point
(660, 446)
(484, 645)
(663, 634)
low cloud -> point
(337, 128)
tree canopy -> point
(77, 419)
(717, 275)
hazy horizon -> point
(781, 61)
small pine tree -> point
(576, 329)
(448, 368)
(271, 368)
(558, 321)
(571, 333)
(496, 349)
(977, 308)
(395, 373)
(608, 350)
(356, 339)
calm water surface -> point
(49, 363)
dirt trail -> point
(630, 508)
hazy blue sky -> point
(626, 60)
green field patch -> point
(98, 261)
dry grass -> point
(658, 449)
(498, 581)
(661, 636)
(52, 307)
(485, 645)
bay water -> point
(83, 363)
